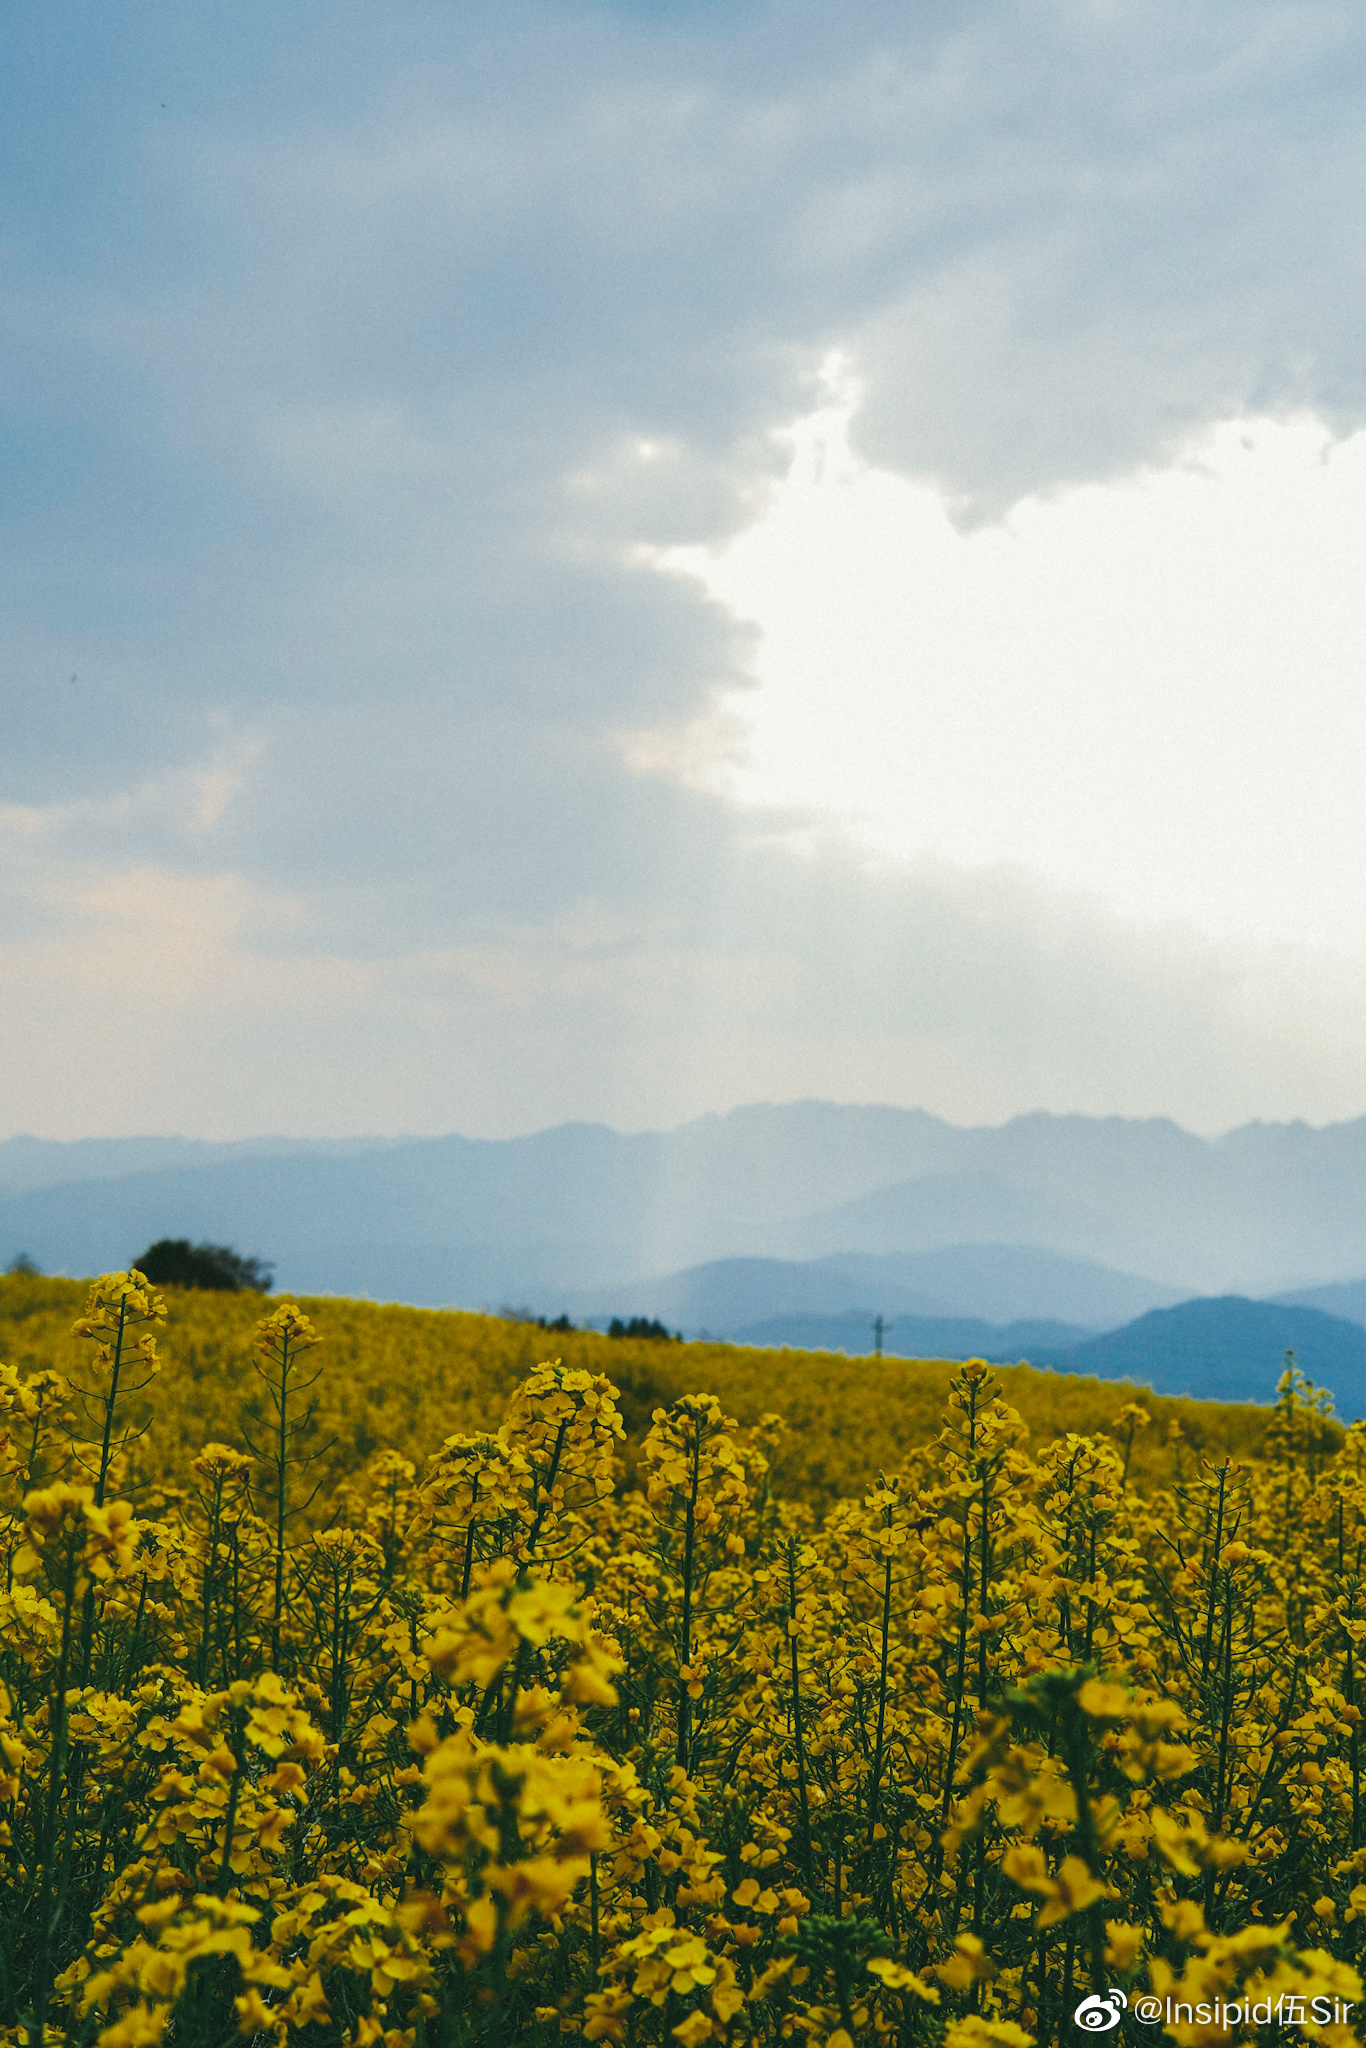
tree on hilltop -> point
(643, 1326)
(175, 1262)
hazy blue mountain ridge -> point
(27, 1162)
(1227, 1349)
(481, 1221)
(995, 1283)
(972, 1207)
(1235, 1212)
(724, 1294)
(1345, 1298)
(1005, 1283)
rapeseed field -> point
(378, 1676)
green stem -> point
(685, 1629)
(875, 1786)
(43, 1972)
(798, 1735)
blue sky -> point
(369, 765)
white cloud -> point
(154, 1000)
(1149, 690)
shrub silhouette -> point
(641, 1326)
(175, 1262)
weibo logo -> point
(1097, 2014)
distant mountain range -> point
(996, 1283)
(28, 1163)
(1071, 1225)
(1345, 1298)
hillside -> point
(546, 1667)
(406, 1378)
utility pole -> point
(878, 1327)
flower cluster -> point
(597, 1723)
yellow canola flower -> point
(976, 2032)
(896, 1977)
(626, 1717)
(285, 1332)
(116, 1303)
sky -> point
(611, 561)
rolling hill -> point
(1227, 1349)
(993, 1283)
